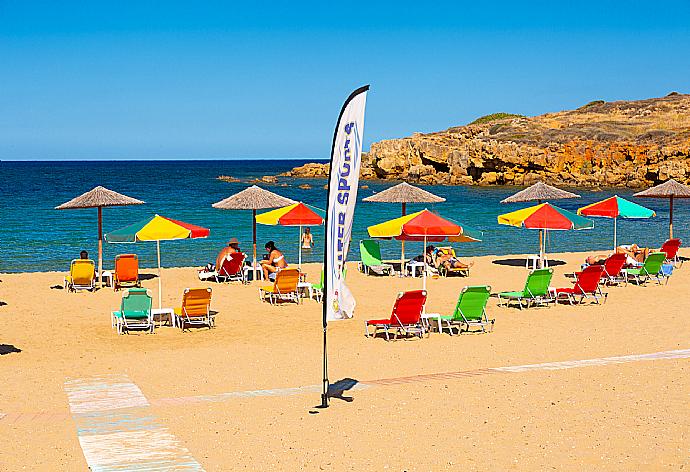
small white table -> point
(257, 270)
(536, 264)
(426, 317)
(107, 278)
(414, 266)
(305, 287)
(159, 312)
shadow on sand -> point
(337, 390)
(518, 262)
(8, 349)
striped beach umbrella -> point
(616, 207)
(298, 214)
(545, 217)
(157, 228)
(424, 226)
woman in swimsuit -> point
(307, 238)
(276, 260)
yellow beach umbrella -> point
(297, 214)
(157, 228)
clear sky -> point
(213, 80)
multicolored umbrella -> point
(297, 214)
(424, 226)
(404, 193)
(616, 207)
(545, 217)
(157, 228)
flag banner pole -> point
(160, 283)
(343, 183)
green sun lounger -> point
(135, 311)
(370, 253)
(651, 269)
(470, 310)
(536, 291)
(317, 289)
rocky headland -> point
(624, 143)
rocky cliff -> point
(625, 143)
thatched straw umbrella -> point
(99, 197)
(669, 189)
(539, 193)
(253, 198)
(404, 193)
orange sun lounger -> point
(126, 271)
(195, 309)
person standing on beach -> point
(307, 238)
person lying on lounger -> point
(634, 253)
(444, 259)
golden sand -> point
(617, 416)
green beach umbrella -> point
(616, 207)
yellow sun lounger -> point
(82, 275)
(284, 288)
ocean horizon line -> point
(297, 159)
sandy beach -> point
(227, 397)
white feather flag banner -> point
(346, 160)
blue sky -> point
(214, 80)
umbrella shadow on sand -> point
(8, 349)
(520, 262)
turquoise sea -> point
(35, 237)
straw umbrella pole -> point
(670, 189)
(404, 193)
(253, 198)
(540, 192)
(99, 197)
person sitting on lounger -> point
(275, 261)
(233, 247)
(443, 259)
